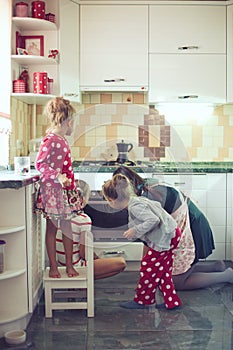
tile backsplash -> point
(108, 118)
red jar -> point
(18, 86)
(50, 17)
(21, 9)
(40, 82)
(38, 9)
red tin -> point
(18, 86)
(38, 9)
(21, 9)
(40, 82)
(50, 17)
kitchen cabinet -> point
(114, 47)
(28, 26)
(229, 53)
(21, 281)
(188, 61)
(69, 47)
(209, 193)
(229, 205)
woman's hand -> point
(64, 181)
(130, 233)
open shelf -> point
(31, 98)
(32, 24)
(11, 274)
(33, 60)
(4, 230)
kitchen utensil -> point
(123, 150)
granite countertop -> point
(156, 167)
(8, 179)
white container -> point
(15, 337)
(22, 165)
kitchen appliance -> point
(123, 150)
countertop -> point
(8, 179)
(156, 167)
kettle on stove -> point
(123, 150)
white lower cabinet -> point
(21, 279)
(209, 193)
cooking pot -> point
(123, 148)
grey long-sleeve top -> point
(151, 222)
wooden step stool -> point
(85, 280)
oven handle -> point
(113, 252)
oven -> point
(108, 226)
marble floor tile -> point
(205, 321)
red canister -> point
(40, 82)
(18, 86)
(21, 9)
(38, 9)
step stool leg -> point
(48, 299)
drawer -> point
(131, 251)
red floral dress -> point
(55, 201)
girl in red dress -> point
(58, 198)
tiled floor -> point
(204, 322)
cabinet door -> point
(216, 212)
(189, 28)
(230, 53)
(181, 78)
(69, 47)
(114, 47)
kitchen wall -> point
(190, 133)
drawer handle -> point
(117, 80)
(113, 252)
(179, 183)
(187, 97)
(192, 47)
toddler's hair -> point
(58, 110)
(84, 188)
(118, 188)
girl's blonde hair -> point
(58, 110)
(84, 189)
(118, 188)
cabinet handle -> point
(117, 80)
(187, 97)
(70, 94)
(113, 252)
(188, 47)
(179, 183)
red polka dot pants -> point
(156, 272)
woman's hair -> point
(137, 181)
(58, 110)
(84, 189)
(118, 188)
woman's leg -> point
(199, 276)
(50, 241)
(107, 267)
(67, 238)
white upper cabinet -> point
(187, 29)
(69, 47)
(187, 53)
(114, 47)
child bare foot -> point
(71, 272)
(54, 273)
